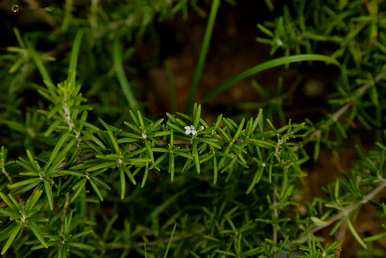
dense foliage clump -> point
(86, 170)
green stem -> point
(125, 85)
(203, 53)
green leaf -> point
(35, 229)
(14, 202)
(145, 176)
(171, 165)
(265, 30)
(375, 237)
(113, 141)
(33, 181)
(255, 179)
(263, 143)
(78, 188)
(316, 149)
(196, 115)
(33, 162)
(8, 212)
(11, 238)
(265, 66)
(196, 157)
(96, 189)
(6, 200)
(74, 58)
(125, 85)
(149, 150)
(123, 183)
(101, 166)
(215, 169)
(140, 119)
(48, 190)
(32, 200)
(355, 234)
(170, 241)
(318, 222)
(82, 246)
(203, 53)
(134, 119)
(56, 150)
(5, 232)
(171, 156)
(239, 130)
(130, 175)
(42, 69)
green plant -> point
(87, 172)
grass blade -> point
(265, 66)
(203, 53)
(125, 85)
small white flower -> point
(263, 164)
(190, 130)
(144, 136)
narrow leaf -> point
(355, 234)
(203, 53)
(122, 178)
(11, 238)
(35, 229)
(265, 66)
(48, 190)
(96, 189)
(125, 85)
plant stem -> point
(203, 53)
(345, 212)
(340, 112)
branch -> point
(345, 212)
(340, 112)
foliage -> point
(86, 172)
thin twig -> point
(340, 112)
(345, 212)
